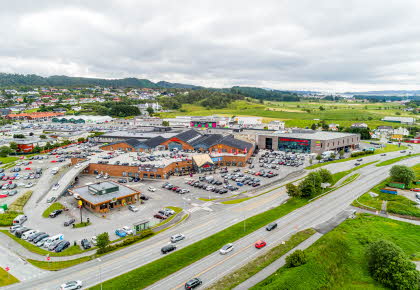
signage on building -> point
(302, 141)
(216, 159)
(318, 143)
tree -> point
(165, 123)
(341, 153)
(13, 146)
(150, 111)
(311, 185)
(313, 126)
(325, 175)
(4, 151)
(296, 259)
(318, 157)
(81, 139)
(293, 190)
(389, 265)
(18, 136)
(404, 174)
(102, 240)
(31, 134)
(36, 149)
(321, 108)
(42, 137)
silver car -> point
(177, 238)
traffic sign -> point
(48, 258)
(7, 269)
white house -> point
(275, 125)
(248, 122)
(401, 131)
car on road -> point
(260, 244)
(177, 238)
(356, 164)
(51, 199)
(226, 249)
(383, 154)
(271, 226)
(120, 233)
(195, 282)
(167, 249)
(127, 230)
(69, 222)
(85, 244)
(71, 285)
(56, 186)
(151, 188)
(133, 208)
(415, 189)
(56, 213)
(361, 159)
(403, 151)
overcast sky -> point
(335, 45)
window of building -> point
(158, 176)
(124, 173)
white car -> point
(133, 208)
(71, 285)
(94, 240)
(226, 249)
(56, 186)
(29, 184)
(98, 176)
(177, 238)
(169, 211)
(151, 188)
(127, 230)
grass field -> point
(8, 159)
(250, 269)
(338, 261)
(51, 208)
(55, 266)
(6, 279)
(294, 114)
(337, 176)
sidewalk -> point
(273, 267)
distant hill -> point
(393, 93)
(11, 80)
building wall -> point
(185, 146)
(119, 146)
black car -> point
(85, 244)
(195, 282)
(69, 222)
(168, 248)
(56, 213)
(144, 197)
(122, 180)
(271, 226)
(40, 237)
(20, 231)
(62, 246)
(34, 236)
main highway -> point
(203, 224)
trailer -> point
(389, 190)
(396, 185)
(416, 181)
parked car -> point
(415, 189)
(133, 208)
(71, 285)
(260, 244)
(69, 222)
(271, 226)
(226, 249)
(122, 180)
(177, 238)
(151, 188)
(62, 246)
(39, 238)
(51, 199)
(120, 233)
(127, 230)
(195, 282)
(160, 216)
(85, 244)
(167, 249)
(56, 213)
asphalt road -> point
(202, 224)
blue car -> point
(239, 184)
(120, 233)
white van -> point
(26, 235)
(52, 239)
(20, 219)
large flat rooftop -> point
(315, 135)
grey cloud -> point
(281, 44)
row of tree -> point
(311, 185)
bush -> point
(126, 242)
(296, 259)
(361, 153)
(6, 219)
(404, 174)
(389, 265)
(20, 202)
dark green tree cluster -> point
(270, 95)
(311, 185)
(389, 265)
(403, 174)
(296, 259)
(364, 132)
(18, 136)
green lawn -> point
(8, 159)
(82, 225)
(72, 250)
(396, 159)
(20, 202)
(253, 267)
(338, 259)
(55, 266)
(6, 279)
(6, 219)
(337, 176)
(51, 208)
(397, 204)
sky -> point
(325, 45)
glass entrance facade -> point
(294, 145)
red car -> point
(159, 216)
(5, 178)
(12, 177)
(260, 244)
(175, 188)
(415, 189)
(3, 195)
(27, 168)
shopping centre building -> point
(308, 141)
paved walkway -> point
(273, 267)
(358, 209)
(19, 268)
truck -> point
(389, 190)
(396, 185)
